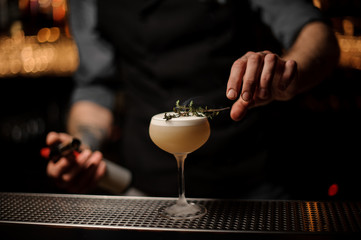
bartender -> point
(243, 54)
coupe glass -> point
(180, 136)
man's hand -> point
(257, 78)
(76, 174)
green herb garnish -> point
(191, 110)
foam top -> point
(159, 120)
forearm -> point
(89, 122)
(316, 52)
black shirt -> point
(159, 51)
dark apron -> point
(178, 49)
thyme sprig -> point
(191, 110)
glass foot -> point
(183, 211)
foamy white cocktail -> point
(180, 136)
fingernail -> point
(232, 94)
(246, 96)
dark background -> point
(316, 135)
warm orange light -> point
(348, 27)
(23, 4)
(350, 51)
(59, 10)
(54, 34)
(29, 56)
(57, 3)
(44, 3)
(43, 35)
(48, 34)
(317, 3)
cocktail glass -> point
(180, 136)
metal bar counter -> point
(55, 216)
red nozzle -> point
(45, 152)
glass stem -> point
(181, 187)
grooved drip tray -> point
(87, 216)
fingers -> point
(244, 79)
(93, 170)
(235, 78)
(251, 76)
(83, 172)
(258, 78)
(80, 174)
(78, 165)
(89, 179)
(55, 170)
(245, 70)
(54, 137)
(239, 109)
(289, 74)
(265, 84)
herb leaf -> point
(191, 110)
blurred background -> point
(37, 59)
(319, 158)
